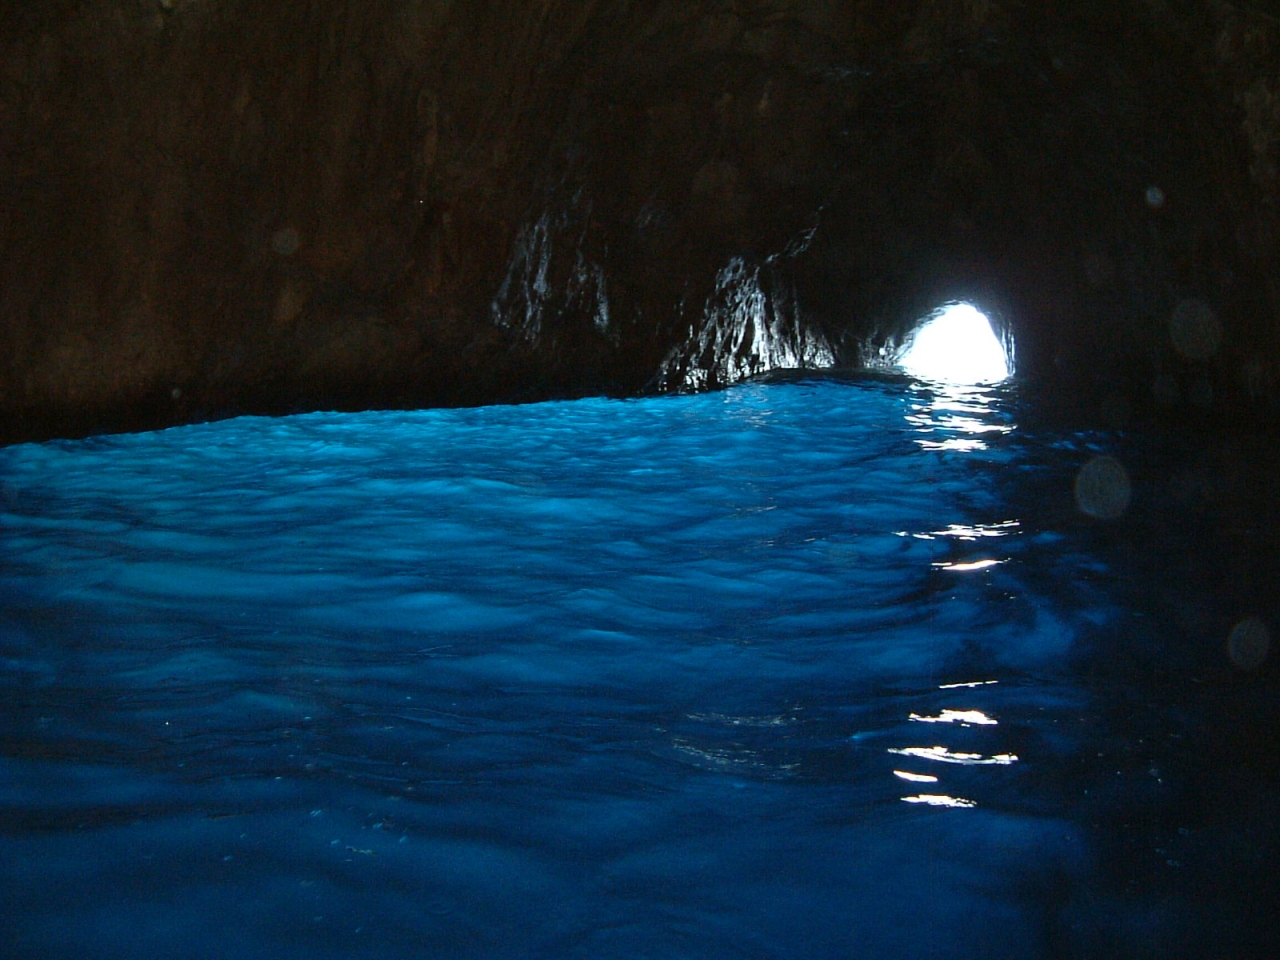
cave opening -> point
(957, 344)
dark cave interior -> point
(215, 207)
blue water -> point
(821, 669)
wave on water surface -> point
(771, 672)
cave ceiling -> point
(214, 207)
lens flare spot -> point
(1249, 644)
(1195, 330)
(285, 241)
(1103, 489)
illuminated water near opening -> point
(826, 669)
(955, 345)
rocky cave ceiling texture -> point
(219, 206)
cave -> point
(212, 209)
(470, 482)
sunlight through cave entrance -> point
(956, 344)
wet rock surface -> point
(220, 207)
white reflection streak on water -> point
(943, 755)
(968, 566)
(965, 717)
(964, 531)
(957, 443)
(939, 415)
(941, 800)
(956, 409)
(968, 400)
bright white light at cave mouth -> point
(955, 345)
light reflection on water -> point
(580, 679)
(941, 417)
(941, 800)
(958, 716)
(968, 566)
(943, 755)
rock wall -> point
(217, 206)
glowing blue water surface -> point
(589, 679)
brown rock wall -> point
(215, 206)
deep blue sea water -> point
(821, 669)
